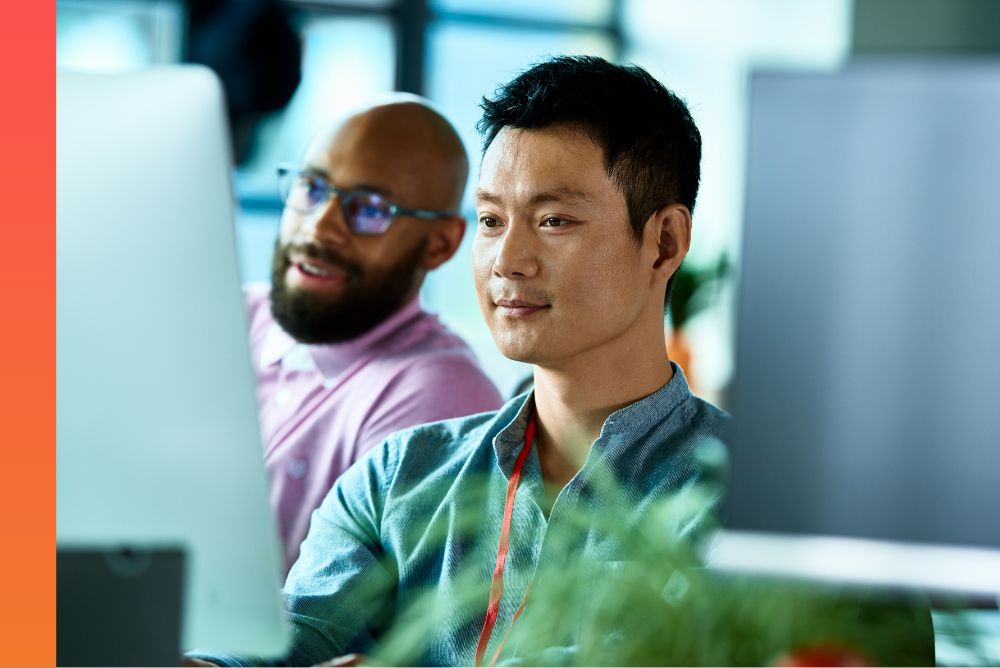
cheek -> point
(384, 252)
(482, 262)
(289, 226)
(605, 288)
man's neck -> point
(573, 400)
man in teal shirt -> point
(589, 177)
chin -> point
(518, 356)
(520, 351)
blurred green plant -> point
(652, 603)
(695, 288)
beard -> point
(367, 299)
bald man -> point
(343, 352)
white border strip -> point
(858, 561)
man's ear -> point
(672, 227)
(443, 241)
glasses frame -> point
(285, 170)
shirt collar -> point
(634, 420)
(331, 358)
(640, 417)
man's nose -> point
(517, 254)
(326, 225)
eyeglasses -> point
(366, 212)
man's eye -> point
(315, 189)
(552, 221)
(487, 221)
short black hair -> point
(652, 147)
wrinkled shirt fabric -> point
(322, 407)
(417, 521)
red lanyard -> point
(496, 589)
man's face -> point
(330, 284)
(557, 270)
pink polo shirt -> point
(323, 406)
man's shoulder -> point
(432, 357)
(701, 437)
(436, 448)
(427, 334)
(431, 352)
(709, 418)
(685, 440)
(452, 437)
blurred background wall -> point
(455, 52)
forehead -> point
(351, 145)
(359, 153)
(520, 163)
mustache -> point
(323, 254)
(511, 293)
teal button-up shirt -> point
(408, 536)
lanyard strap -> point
(496, 588)
(520, 609)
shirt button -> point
(297, 468)
(283, 396)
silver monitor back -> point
(867, 396)
(157, 433)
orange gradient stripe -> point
(27, 334)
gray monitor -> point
(867, 393)
(156, 425)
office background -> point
(455, 52)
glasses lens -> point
(367, 213)
(301, 192)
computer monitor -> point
(866, 446)
(157, 436)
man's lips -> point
(519, 308)
(309, 272)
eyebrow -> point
(316, 171)
(372, 189)
(560, 195)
